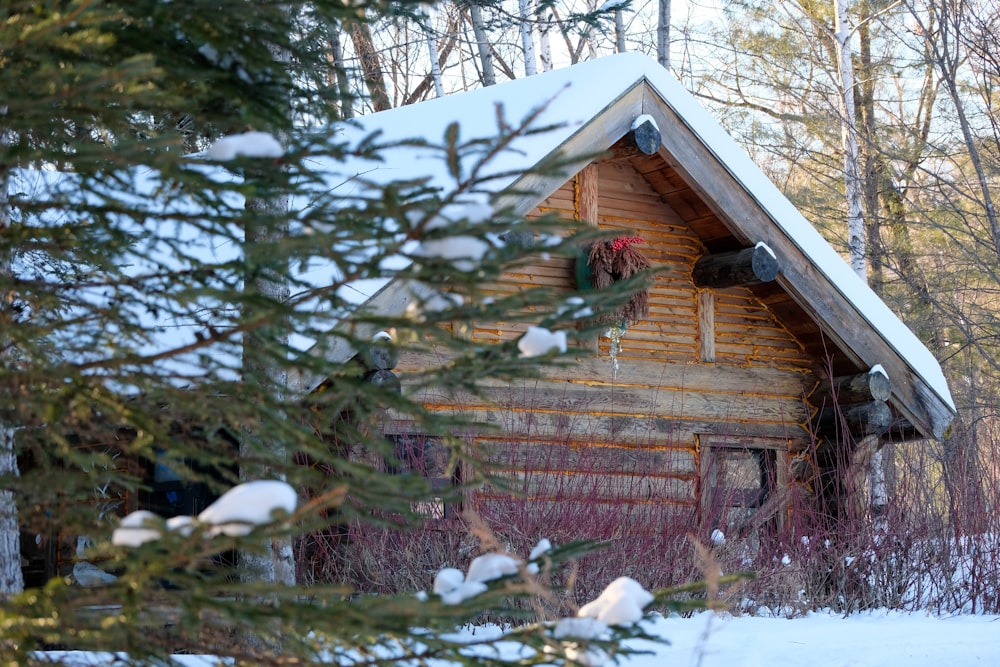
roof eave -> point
(750, 221)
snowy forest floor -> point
(871, 639)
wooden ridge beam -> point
(848, 389)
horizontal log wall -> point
(592, 433)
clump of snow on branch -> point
(492, 566)
(137, 528)
(543, 547)
(615, 5)
(569, 629)
(236, 513)
(243, 507)
(621, 603)
(576, 308)
(454, 587)
(248, 144)
(464, 251)
(537, 341)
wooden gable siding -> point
(589, 432)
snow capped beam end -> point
(646, 134)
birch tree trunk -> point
(854, 194)
(432, 53)
(527, 37)
(857, 247)
(545, 40)
(663, 34)
(11, 577)
(488, 72)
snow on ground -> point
(875, 639)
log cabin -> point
(763, 363)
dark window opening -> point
(430, 458)
(737, 483)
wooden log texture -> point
(747, 332)
(664, 404)
(860, 388)
(860, 419)
(742, 267)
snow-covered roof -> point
(568, 100)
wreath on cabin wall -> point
(612, 261)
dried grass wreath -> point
(615, 260)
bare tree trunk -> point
(432, 53)
(619, 31)
(663, 35)
(527, 37)
(856, 243)
(854, 193)
(488, 73)
(11, 577)
(260, 347)
(264, 347)
(371, 65)
(946, 58)
(451, 30)
(340, 72)
(545, 40)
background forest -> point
(877, 119)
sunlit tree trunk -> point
(527, 37)
(11, 579)
(545, 39)
(856, 244)
(432, 53)
(619, 31)
(663, 34)
(371, 65)
(487, 70)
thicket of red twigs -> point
(934, 546)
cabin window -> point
(740, 483)
(429, 457)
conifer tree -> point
(135, 313)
